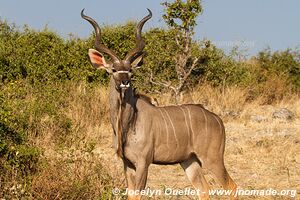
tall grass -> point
(73, 168)
(65, 127)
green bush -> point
(43, 56)
(286, 63)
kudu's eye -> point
(114, 70)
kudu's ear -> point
(137, 63)
(98, 60)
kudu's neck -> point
(122, 114)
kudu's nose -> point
(125, 83)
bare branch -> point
(187, 42)
(162, 83)
(194, 64)
(186, 76)
(179, 45)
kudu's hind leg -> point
(194, 173)
(219, 170)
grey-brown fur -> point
(144, 134)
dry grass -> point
(83, 165)
(73, 164)
(263, 155)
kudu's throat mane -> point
(123, 112)
(120, 132)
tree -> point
(181, 17)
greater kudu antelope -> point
(143, 133)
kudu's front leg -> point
(129, 171)
(140, 179)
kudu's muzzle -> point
(123, 79)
